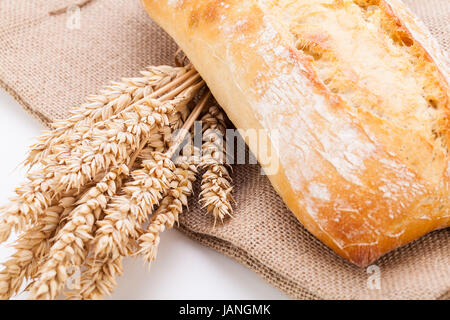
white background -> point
(183, 269)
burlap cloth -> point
(49, 67)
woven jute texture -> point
(49, 67)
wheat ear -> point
(31, 199)
(32, 247)
(176, 196)
(171, 207)
(216, 181)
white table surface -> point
(183, 269)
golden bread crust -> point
(363, 124)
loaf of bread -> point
(353, 97)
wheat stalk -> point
(73, 211)
(109, 143)
(132, 209)
(216, 181)
(111, 100)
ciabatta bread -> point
(358, 92)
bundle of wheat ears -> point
(103, 184)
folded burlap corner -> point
(49, 65)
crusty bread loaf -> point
(359, 93)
